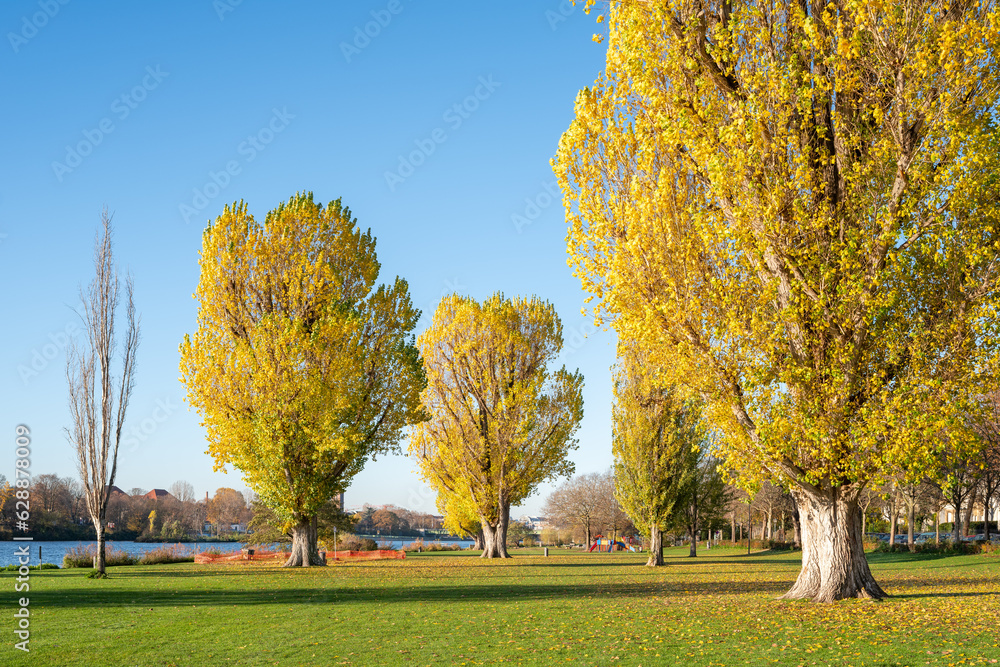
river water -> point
(53, 552)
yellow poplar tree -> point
(655, 430)
(501, 422)
(301, 368)
(793, 207)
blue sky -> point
(436, 128)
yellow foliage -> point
(794, 211)
(500, 422)
(300, 367)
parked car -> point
(974, 538)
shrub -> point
(776, 545)
(83, 556)
(946, 548)
(172, 554)
(354, 543)
(529, 542)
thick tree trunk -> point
(304, 551)
(495, 536)
(833, 557)
(693, 549)
(478, 539)
(655, 547)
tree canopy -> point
(301, 368)
(501, 422)
(793, 207)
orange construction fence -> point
(206, 558)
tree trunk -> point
(100, 559)
(479, 542)
(956, 525)
(967, 519)
(833, 557)
(937, 527)
(893, 522)
(495, 536)
(796, 527)
(987, 514)
(304, 551)
(693, 550)
(910, 518)
(655, 547)
(733, 517)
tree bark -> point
(495, 535)
(833, 557)
(956, 525)
(892, 524)
(99, 561)
(655, 547)
(305, 550)
(478, 539)
(910, 518)
(967, 519)
(797, 527)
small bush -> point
(354, 543)
(776, 545)
(83, 556)
(172, 554)
(529, 542)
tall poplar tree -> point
(657, 434)
(793, 206)
(501, 422)
(301, 368)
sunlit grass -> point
(591, 609)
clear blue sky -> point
(165, 112)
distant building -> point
(158, 494)
(534, 522)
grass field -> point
(581, 609)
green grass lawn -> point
(573, 608)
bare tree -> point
(577, 502)
(98, 396)
(182, 490)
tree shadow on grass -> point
(472, 592)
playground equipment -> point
(602, 543)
